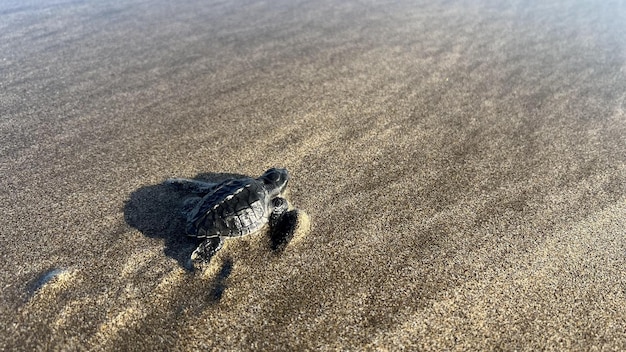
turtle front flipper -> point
(283, 229)
(279, 207)
(193, 186)
(207, 249)
(282, 223)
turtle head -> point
(275, 180)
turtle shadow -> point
(219, 282)
(155, 211)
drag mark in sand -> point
(44, 278)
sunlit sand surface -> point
(458, 167)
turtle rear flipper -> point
(188, 204)
(207, 249)
(193, 186)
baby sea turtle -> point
(234, 207)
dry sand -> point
(461, 165)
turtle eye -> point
(274, 176)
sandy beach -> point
(459, 168)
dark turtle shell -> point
(234, 208)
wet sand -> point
(460, 168)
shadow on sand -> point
(156, 212)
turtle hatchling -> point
(234, 207)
